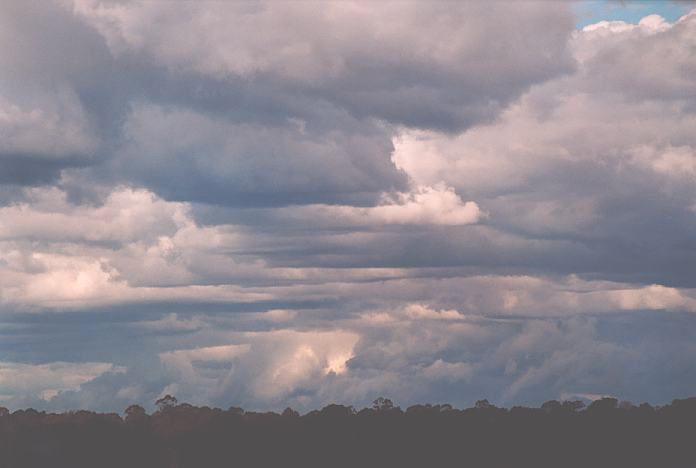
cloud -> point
(386, 61)
(434, 205)
(60, 132)
(601, 159)
(46, 381)
(185, 155)
(56, 254)
(448, 370)
(423, 205)
(304, 206)
(172, 322)
(302, 114)
(262, 367)
(126, 215)
(50, 118)
(182, 361)
(640, 60)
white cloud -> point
(677, 162)
(655, 296)
(428, 205)
(261, 366)
(45, 381)
(126, 215)
(51, 253)
(411, 312)
(583, 396)
(425, 205)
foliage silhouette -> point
(558, 434)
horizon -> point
(169, 402)
(280, 204)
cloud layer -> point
(273, 204)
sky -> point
(631, 11)
(277, 204)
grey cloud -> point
(53, 75)
(343, 68)
(201, 197)
(386, 62)
(276, 134)
(192, 157)
(584, 162)
(523, 361)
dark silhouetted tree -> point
(483, 404)
(135, 413)
(382, 404)
(165, 403)
(558, 434)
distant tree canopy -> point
(165, 403)
(607, 433)
(382, 404)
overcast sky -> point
(290, 204)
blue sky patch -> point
(589, 12)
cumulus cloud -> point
(306, 205)
(435, 205)
(126, 215)
(57, 254)
(640, 60)
(424, 205)
(601, 159)
(300, 114)
(385, 61)
(262, 367)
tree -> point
(626, 405)
(382, 404)
(235, 410)
(604, 405)
(573, 406)
(135, 413)
(551, 406)
(483, 404)
(445, 407)
(165, 403)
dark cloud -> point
(192, 157)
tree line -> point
(567, 434)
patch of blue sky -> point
(594, 11)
